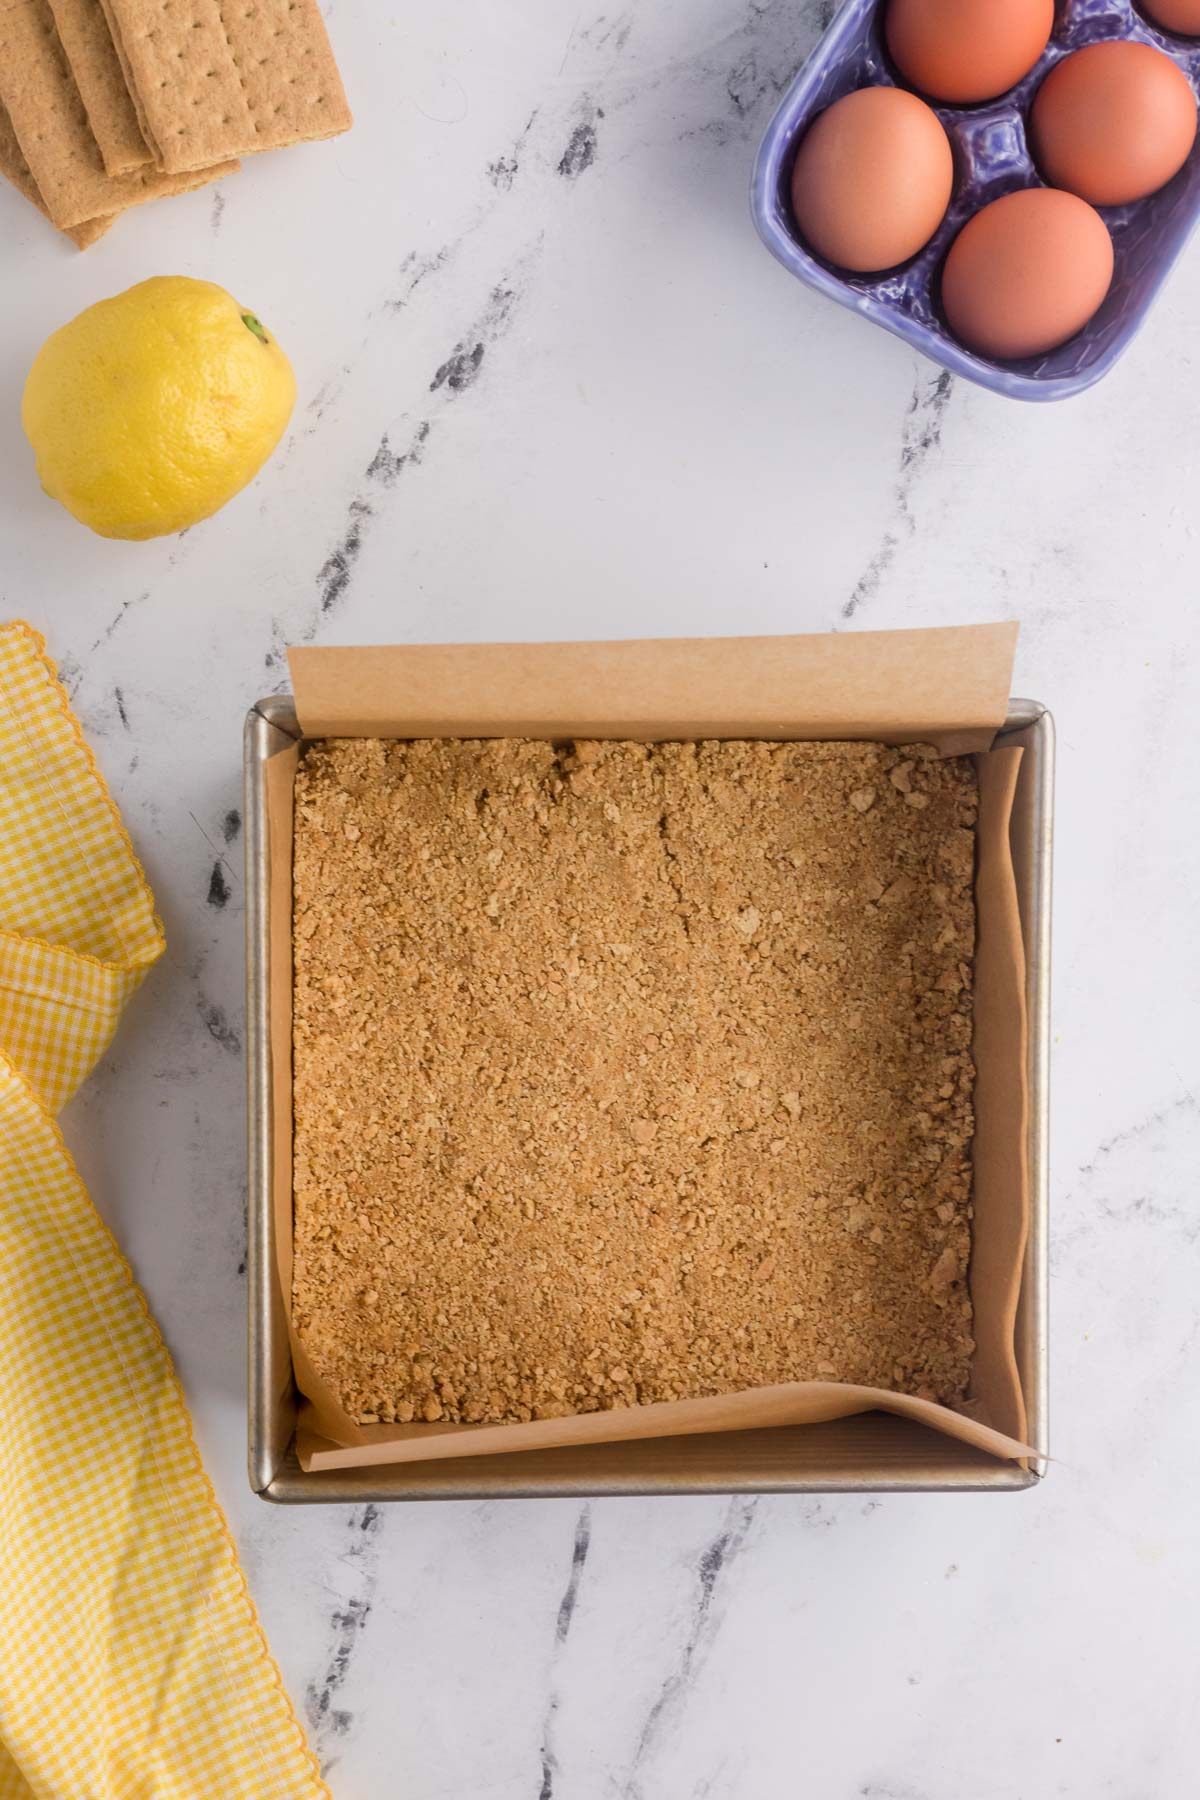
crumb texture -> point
(627, 1073)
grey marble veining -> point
(552, 386)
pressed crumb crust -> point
(630, 1072)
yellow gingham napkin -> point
(132, 1666)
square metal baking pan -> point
(871, 1453)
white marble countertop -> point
(551, 386)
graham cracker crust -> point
(627, 1073)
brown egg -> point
(1180, 16)
(966, 50)
(872, 179)
(1113, 122)
(1026, 273)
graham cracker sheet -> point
(91, 53)
(218, 78)
(16, 170)
(135, 99)
(52, 129)
(83, 236)
(949, 687)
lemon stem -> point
(252, 324)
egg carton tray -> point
(991, 158)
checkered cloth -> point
(132, 1666)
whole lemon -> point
(150, 410)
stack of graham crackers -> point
(106, 103)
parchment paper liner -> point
(948, 687)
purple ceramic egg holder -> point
(991, 158)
